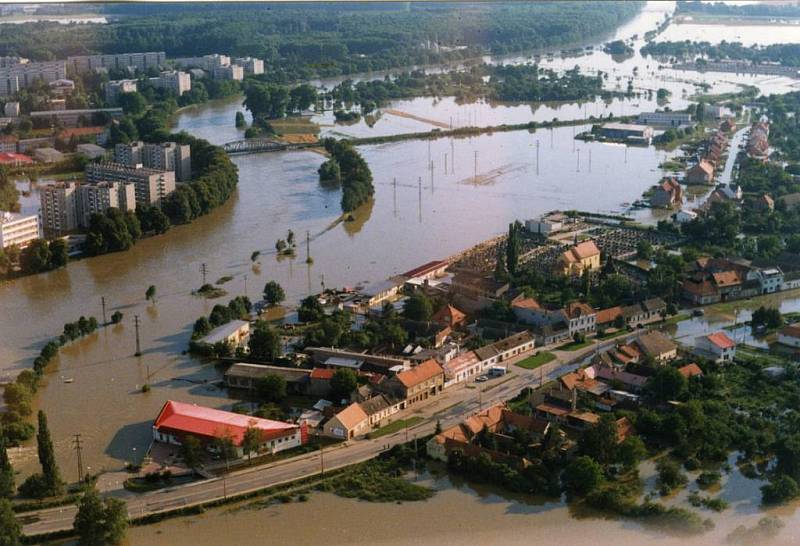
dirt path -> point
(401, 114)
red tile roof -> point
(721, 340)
(80, 131)
(322, 373)
(449, 315)
(351, 416)
(426, 268)
(581, 251)
(690, 370)
(13, 158)
(793, 330)
(526, 303)
(212, 423)
(418, 374)
(605, 316)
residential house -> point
(790, 336)
(472, 285)
(718, 346)
(499, 351)
(235, 333)
(610, 317)
(417, 384)
(667, 194)
(349, 423)
(449, 316)
(701, 173)
(582, 257)
(319, 382)
(690, 370)
(332, 357)
(657, 347)
(463, 367)
(581, 318)
(379, 292)
(379, 408)
(770, 279)
(611, 374)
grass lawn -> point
(674, 319)
(533, 362)
(573, 346)
(395, 426)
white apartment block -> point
(97, 198)
(151, 186)
(59, 207)
(178, 82)
(116, 87)
(19, 76)
(230, 72)
(251, 65)
(18, 230)
(166, 156)
(137, 61)
(206, 62)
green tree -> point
(669, 475)
(150, 294)
(667, 384)
(100, 522)
(6, 471)
(513, 247)
(251, 441)
(600, 441)
(10, 529)
(644, 250)
(47, 457)
(271, 388)
(36, 257)
(781, 488)
(310, 310)
(116, 317)
(343, 382)
(59, 255)
(582, 476)
(273, 293)
(418, 307)
(191, 451)
(265, 342)
(132, 103)
(240, 122)
(631, 452)
(787, 453)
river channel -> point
(476, 187)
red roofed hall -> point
(14, 159)
(178, 420)
(430, 270)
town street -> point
(451, 407)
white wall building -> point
(18, 230)
(790, 336)
(97, 198)
(177, 82)
(251, 65)
(165, 156)
(59, 207)
(718, 345)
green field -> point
(395, 426)
(574, 346)
(533, 362)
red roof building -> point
(14, 159)
(178, 420)
(430, 270)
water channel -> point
(425, 214)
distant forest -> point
(305, 40)
(766, 9)
(787, 54)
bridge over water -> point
(258, 145)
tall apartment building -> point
(206, 62)
(251, 65)
(115, 87)
(230, 72)
(151, 186)
(165, 156)
(176, 81)
(19, 76)
(59, 207)
(18, 230)
(97, 198)
(137, 61)
(72, 118)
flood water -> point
(459, 513)
(424, 215)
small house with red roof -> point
(718, 346)
(449, 316)
(790, 336)
(177, 420)
(417, 384)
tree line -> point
(348, 168)
(786, 54)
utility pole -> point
(452, 157)
(590, 160)
(578, 168)
(537, 157)
(475, 166)
(138, 345)
(103, 304)
(429, 151)
(394, 195)
(445, 163)
(415, 457)
(77, 439)
(321, 456)
(431, 175)
(419, 191)
(308, 248)
(245, 286)
(203, 270)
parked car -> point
(481, 378)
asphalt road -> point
(456, 405)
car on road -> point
(481, 378)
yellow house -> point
(581, 257)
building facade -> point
(17, 230)
(151, 185)
(97, 198)
(115, 88)
(176, 81)
(165, 156)
(122, 61)
(19, 76)
(251, 65)
(59, 208)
